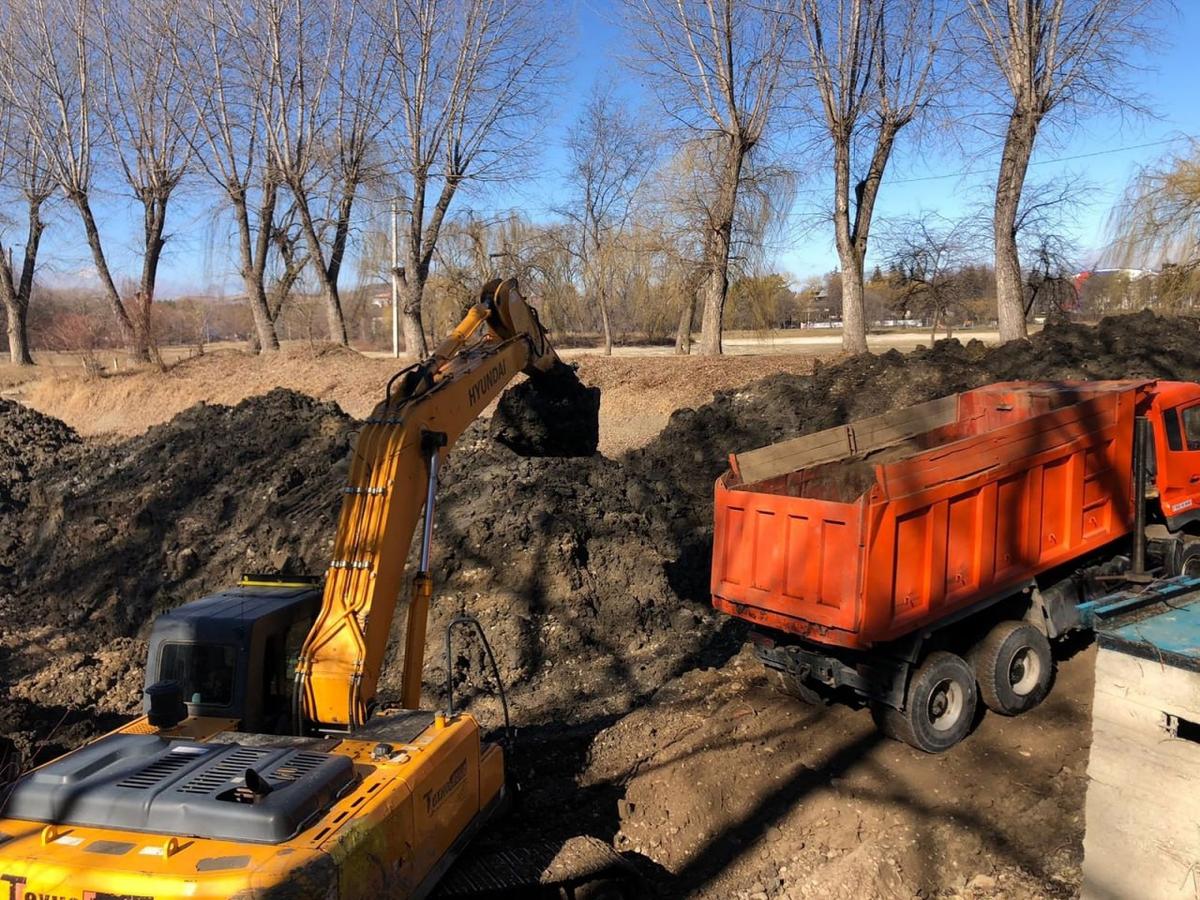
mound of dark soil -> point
(572, 568)
(144, 525)
(29, 443)
(550, 414)
(694, 448)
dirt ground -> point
(727, 789)
(641, 717)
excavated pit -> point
(590, 574)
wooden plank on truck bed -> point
(843, 441)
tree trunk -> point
(16, 308)
(253, 269)
(422, 239)
(683, 336)
(154, 218)
(17, 292)
(335, 320)
(852, 236)
(1014, 163)
(715, 288)
(18, 335)
(124, 323)
(854, 317)
(605, 325)
(412, 290)
(854, 303)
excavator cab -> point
(233, 654)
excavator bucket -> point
(550, 414)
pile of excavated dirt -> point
(29, 442)
(571, 567)
(694, 447)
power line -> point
(1046, 162)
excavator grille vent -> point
(156, 772)
(298, 766)
(232, 768)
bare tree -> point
(142, 110)
(610, 153)
(1044, 218)
(676, 207)
(468, 80)
(21, 176)
(328, 93)
(1047, 58)
(871, 64)
(925, 255)
(229, 100)
(717, 66)
(54, 78)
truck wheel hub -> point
(1024, 671)
(945, 704)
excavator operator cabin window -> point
(204, 671)
(1191, 427)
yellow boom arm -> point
(393, 476)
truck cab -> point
(1174, 415)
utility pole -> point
(395, 281)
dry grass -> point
(129, 402)
(638, 393)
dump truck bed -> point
(865, 533)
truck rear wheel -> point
(1014, 668)
(939, 706)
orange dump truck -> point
(922, 559)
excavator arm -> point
(393, 477)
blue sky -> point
(1106, 151)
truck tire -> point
(1186, 559)
(939, 706)
(1014, 668)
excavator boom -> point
(392, 480)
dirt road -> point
(812, 341)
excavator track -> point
(581, 868)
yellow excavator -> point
(264, 766)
